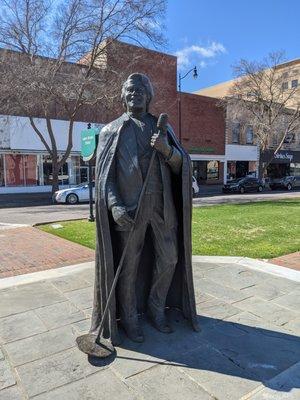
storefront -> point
(26, 167)
(283, 163)
(208, 169)
(241, 160)
(239, 169)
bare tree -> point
(55, 58)
(260, 98)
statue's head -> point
(137, 92)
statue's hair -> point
(145, 81)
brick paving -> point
(26, 249)
(289, 261)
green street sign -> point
(88, 143)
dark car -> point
(242, 185)
(286, 182)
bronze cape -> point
(181, 293)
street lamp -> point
(195, 75)
(91, 217)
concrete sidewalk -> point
(248, 347)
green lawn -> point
(259, 230)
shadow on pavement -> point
(224, 347)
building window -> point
(2, 180)
(212, 170)
(14, 170)
(199, 171)
(20, 170)
(63, 176)
(76, 169)
(249, 135)
(236, 133)
(290, 138)
(295, 169)
(294, 83)
(285, 85)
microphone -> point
(162, 123)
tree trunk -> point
(55, 172)
(260, 169)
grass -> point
(80, 231)
(258, 230)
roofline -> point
(141, 47)
(151, 50)
(207, 98)
(291, 62)
(38, 56)
(215, 86)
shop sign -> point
(284, 156)
(281, 157)
(88, 143)
(194, 150)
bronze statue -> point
(143, 218)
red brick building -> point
(203, 121)
(203, 125)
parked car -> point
(74, 195)
(195, 186)
(286, 182)
(242, 185)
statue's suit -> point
(157, 214)
(181, 291)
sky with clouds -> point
(215, 34)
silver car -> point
(74, 195)
(286, 182)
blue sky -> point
(214, 34)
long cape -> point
(181, 293)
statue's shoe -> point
(159, 321)
(133, 331)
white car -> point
(74, 195)
(195, 186)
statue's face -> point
(135, 96)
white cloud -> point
(196, 54)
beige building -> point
(241, 151)
(290, 76)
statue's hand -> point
(120, 216)
(160, 142)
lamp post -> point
(195, 74)
(91, 217)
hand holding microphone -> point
(159, 141)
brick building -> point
(203, 136)
(203, 126)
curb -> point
(6, 283)
(56, 222)
(251, 263)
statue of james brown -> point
(156, 271)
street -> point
(42, 214)
(60, 212)
(244, 198)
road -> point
(40, 214)
(244, 198)
(60, 212)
